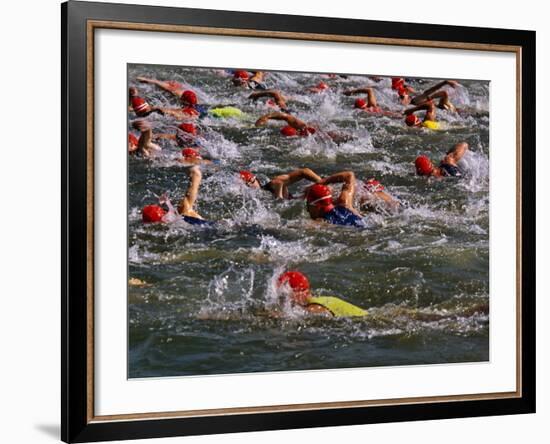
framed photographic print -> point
(276, 221)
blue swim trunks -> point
(342, 216)
(196, 221)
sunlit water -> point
(422, 273)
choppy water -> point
(423, 273)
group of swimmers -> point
(323, 204)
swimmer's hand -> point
(163, 198)
(453, 83)
(262, 121)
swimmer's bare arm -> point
(274, 94)
(456, 153)
(164, 136)
(291, 120)
(280, 183)
(426, 94)
(166, 86)
(351, 92)
(428, 106)
(348, 189)
(318, 309)
(186, 205)
(371, 97)
(145, 143)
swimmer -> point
(297, 127)
(319, 88)
(139, 106)
(191, 108)
(321, 205)
(370, 105)
(294, 127)
(374, 197)
(187, 135)
(299, 293)
(190, 156)
(278, 186)
(274, 96)
(435, 93)
(448, 166)
(145, 146)
(185, 210)
(404, 90)
(243, 78)
(429, 121)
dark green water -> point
(423, 273)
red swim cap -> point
(192, 112)
(396, 82)
(247, 176)
(190, 153)
(360, 103)
(189, 97)
(319, 195)
(373, 186)
(140, 106)
(296, 280)
(424, 166)
(241, 75)
(133, 141)
(402, 91)
(322, 86)
(289, 131)
(412, 120)
(188, 128)
(152, 213)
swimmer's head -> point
(360, 103)
(188, 97)
(373, 186)
(412, 120)
(424, 166)
(249, 179)
(320, 87)
(240, 77)
(298, 284)
(320, 197)
(152, 214)
(190, 154)
(188, 128)
(396, 82)
(289, 131)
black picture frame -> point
(76, 423)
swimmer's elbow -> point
(349, 176)
(195, 172)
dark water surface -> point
(423, 274)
